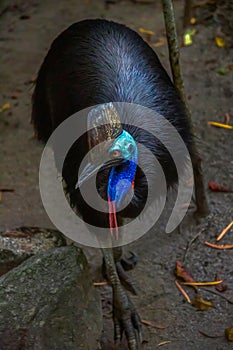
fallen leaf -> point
(98, 284)
(183, 292)
(223, 70)
(153, 324)
(220, 125)
(227, 118)
(159, 43)
(209, 335)
(220, 42)
(204, 284)
(202, 304)
(4, 107)
(220, 236)
(188, 37)
(193, 20)
(213, 186)
(216, 246)
(183, 273)
(146, 31)
(229, 333)
(220, 287)
(163, 343)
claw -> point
(137, 325)
(126, 319)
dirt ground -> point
(27, 29)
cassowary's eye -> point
(115, 154)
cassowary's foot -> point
(125, 317)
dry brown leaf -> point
(216, 246)
(154, 325)
(220, 236)
(220, 42)
(220, 287)
(220, 125)
(213, 186)
(229, 333)
(202, 304)
(160, 42)
(146, 31)
(227, 118)
(202, 284)
(183, 291)
(210, 335)
(97, 284)
(4, 107)
(163, 343)
(183, 273)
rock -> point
(21, 243)
(49, 303)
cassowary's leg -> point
(125, 264)
(125, 316)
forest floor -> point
(27, 29)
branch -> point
(200, 196)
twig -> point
(192, 241)
(183, 292)
(216, 246)
(218, 294)
(201, 284)
(220, 236)
(200, 197)
(210, 336)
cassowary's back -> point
(98, 61)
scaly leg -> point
(125, 316)
(125, 264)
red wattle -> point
(112, 218)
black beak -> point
(92, 169)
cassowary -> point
(99, 62)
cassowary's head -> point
(117, 151)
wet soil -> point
(27, 29)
